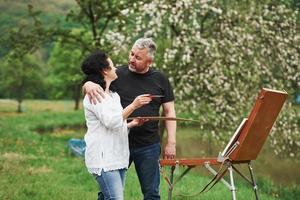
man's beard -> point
(131, 68)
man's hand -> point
(94, 92)
(170, 151)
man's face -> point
(139, 60)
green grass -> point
(35, 163)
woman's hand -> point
(138, 102)
(136, 122)
(141, 100)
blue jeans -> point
(146, 161)
(111, 184)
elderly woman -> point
(107, 150)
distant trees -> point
(218, 54)
(102, 26)
(89, 25)
(64, 72)
(106, 21)
(20, 77)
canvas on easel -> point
(233, 143)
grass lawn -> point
(35, 163)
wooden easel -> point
(243, 147)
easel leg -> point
(255, 189)
(171, 182)
(232, 182)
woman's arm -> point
(113, 117)
(138, 102)
(136, 122)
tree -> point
(217, 53)
(103, 23)
(19, 78)
(65, 75)
(106, 23)
(219, 59)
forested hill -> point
(15, 13)
(12, 12)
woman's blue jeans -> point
(146, 161)
(111, 184)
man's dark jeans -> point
(146, 161)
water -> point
(268, 165)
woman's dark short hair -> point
(93, 65)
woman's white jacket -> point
(107, 135)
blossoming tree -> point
(218, 59)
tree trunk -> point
(77, 92)
(19, 106)
(76, 107)
(93, 22)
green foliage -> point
(19, 78)
(65, 75)
(219, 57)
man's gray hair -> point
(147, 43)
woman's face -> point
(111, 73)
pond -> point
(282, 171)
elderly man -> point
(136, 78)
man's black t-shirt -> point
(129, 85)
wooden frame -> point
(243, 147)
